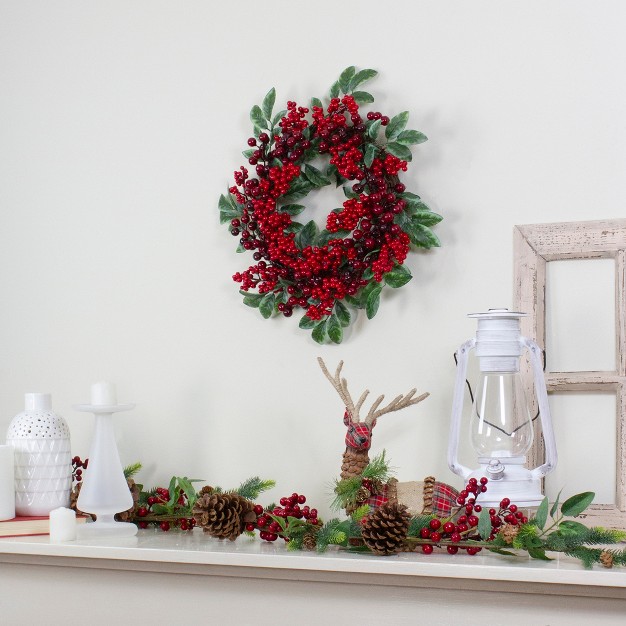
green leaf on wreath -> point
(398, 276)
(577, 504)
(292, 209)
(421, 236)
(361, 76)
(541, 517)
(370, 154)
(307, 235)
(484, 524)
(398, 150)
(316, 102)
(334, 329)
(411, 137)
(362, 97)
(373, 302)
(427, 218)
(252, 299)
(372, 131)
(346, 76)
(268, 103)
(315, 177)
(294, 227)
(279, 116)
(355, 302)
(298, 189)
(249, 153)
(408, 195)
(368, 273)
(306, 323)
(396, 125)
(257, 118)
(334, 90)
(342, 313)
(319, 332)
(228, 210)
(348, 193)
(256, 131)
(266, 306)
(240, 249)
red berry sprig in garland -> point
(365, 242)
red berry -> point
(250, 527)
(455, 537)
(258, 509)
(472, 520)
(435, 524)
(313, 512)
(424, 533)
(449, 527)
(142, 524)
(478, 508)
(513, 508)
(484, 480)
(142, 511)
(452, 549)
(472, 551)
(427, 549)
(261, 522)
(165, 526)
(301, 499)
(252, 141)
(435, 537)
(504, 503)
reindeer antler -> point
(399, 402)
(341, 386)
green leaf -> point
(306, 323)
(346, 77)
(572, 527)
(334, 329)
(248, 153)
(334, 90)
(266, 306)
(422, 236)
(502, 552)
(426, 218)
(299, 188)
(257, 118)
(307, 235)
(294, 227)
(577, 504)
(316, 102)
(398, 150)
(555, 506)
(396, 125)
(361, 76)
(538, 553)
(348, 193)
(240, 249)
(370, 154)
(541, 517)
(229, 209)
(373, 301)
(362, 97)
(319, 332)
(252, 299)
(279, 116)
(398, 276)
(315, 177)
(408, 137)
(342, 313)
(268, 103)
(484, 524)
(372, 131)
(292, 209)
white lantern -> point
(501, 429)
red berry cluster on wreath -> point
(270, 529)
(461, 526)
(319, 275)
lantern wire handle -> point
(471, 393)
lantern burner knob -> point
(495, 469)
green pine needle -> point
(345, 492)
(588, 556)
(251, 488)
(361, 512)
(378, 469)
(330, 533)
(417, 523)
(131, 470)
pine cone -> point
(309, 541)
(74, 499)
(223, 515)
(385, 530)
(508, 533)
(392, 490)
(606, 558)
(129, 515)
(354, 462)
(362, 495)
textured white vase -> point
(43, 471)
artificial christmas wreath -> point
(365, 242)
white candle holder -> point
(104, 490)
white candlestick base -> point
(106, 526)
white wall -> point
(120, 125)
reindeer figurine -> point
(359, 435)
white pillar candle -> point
(62, 525)
(103, 394)
(7, 483)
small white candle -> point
(103, 394)
(7, 483)
(62, 525)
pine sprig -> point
(253, 487)
(417, 523)
(131, 470)
(331, 533)
(378, 469)
(346, 491)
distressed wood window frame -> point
(535, 245)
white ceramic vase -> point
(43, 471)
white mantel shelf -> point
(227, 572)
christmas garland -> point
(365, 242)
(384, 530)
